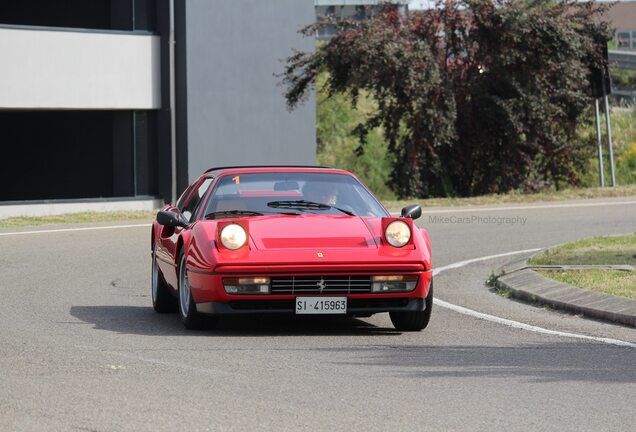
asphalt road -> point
(82, 349)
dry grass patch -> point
(84, 217)
(520, 198)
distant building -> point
(623, 18)
(357, 9)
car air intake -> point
(321, 285)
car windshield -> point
(290, 193)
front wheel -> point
(192, 319)
(414, 321)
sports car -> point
(288, 240)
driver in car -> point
(320, 192)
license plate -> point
(321, 305)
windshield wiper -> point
(306, 205)
(216, 214)
(347, 212)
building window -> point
(624, 39)
(127, 15)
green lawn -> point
(612, 282)
(612, 250)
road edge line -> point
(5, 234)
(511, 323)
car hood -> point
(311, 231)
(305, 243)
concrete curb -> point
(526, 284)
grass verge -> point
(519, 198)
(612, 282)
(612, 250)
(84, 217)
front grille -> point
(321, 285)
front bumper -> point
(211, 298)
(355, 306)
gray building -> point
(130, 99)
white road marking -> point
(511, 323)
(474, 260)
(73, 229)
(429, 210)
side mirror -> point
(413, 211)
(168, 218)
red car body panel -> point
(282, 245)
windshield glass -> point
(292, 192)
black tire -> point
(162, 299)
(190, 318)
(414, 321)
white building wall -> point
(60, 69)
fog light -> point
(393, 283)
(259, 285)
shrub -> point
(480, 96)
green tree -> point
(338, 145)
(477, 96)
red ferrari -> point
(288, 240)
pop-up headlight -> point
(233, 236)
(397, 233)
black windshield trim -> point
(213, 215)
(306, 205)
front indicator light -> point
(393, 283)
(233, 236)
(397, 233)
(246, 285)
